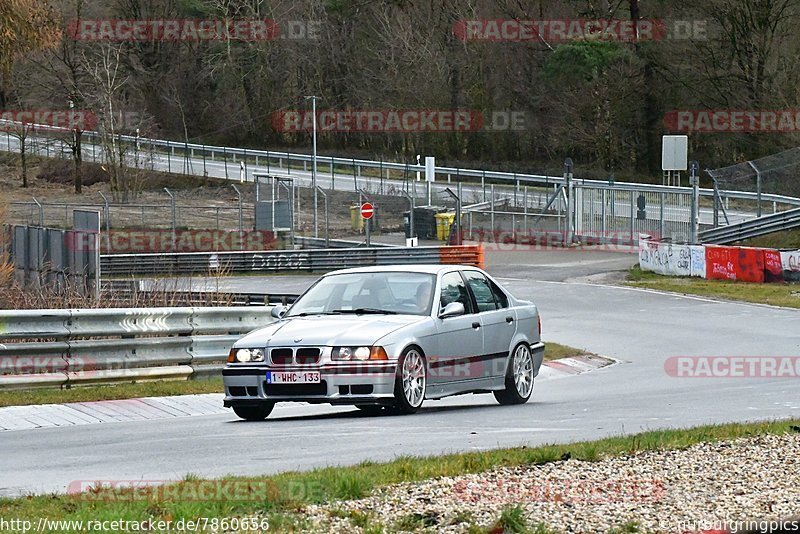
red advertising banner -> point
(735, 263)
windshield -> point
(359, 293)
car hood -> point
(327, 330)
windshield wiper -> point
(308, 314)
(361, 311)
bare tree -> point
(104, 68)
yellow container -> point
(443, 223)
(356, 219)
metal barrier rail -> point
(312, 260)
(723, 235)
(136, 343)
(321, 242)
(191, 150)
(129, 290)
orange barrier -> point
(463, 255)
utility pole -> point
(314, 158)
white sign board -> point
(674, 153)
(430, 169)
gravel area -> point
(689, 490)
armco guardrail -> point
(263, 163)
(133, 291)
(319, 260)
(785, 220)
(89, 346)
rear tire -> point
(410, 382)
(519, 377)
(254, 413)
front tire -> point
(254, 413)
(519, 377)
(410, 381)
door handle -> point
(509, 319)
(476, 325)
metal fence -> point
(333, 172)
(602, 208)
(61, 348)
(618, 214)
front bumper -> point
(345, 383)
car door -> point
(497, 320)
(459, 339)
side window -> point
(499, 296)
(454, 290)
(480, 287)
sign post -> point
(367, 211)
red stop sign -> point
(367, 210)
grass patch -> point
(282, 496)
(787, 295)
(783, 239)
(110, 392)
(512, 520)
(556, 351)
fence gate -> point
(618, 214)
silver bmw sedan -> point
(385, 339)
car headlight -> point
(358, 353)
(246, 355)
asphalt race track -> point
(640, 328)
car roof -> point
(412, 268)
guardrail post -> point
(570, 201)
(694, 180)
(241, 220)
(174, 218)
(758, 187)
(410, 213)
(107, 210)
(491, 212)
(525, 210)
(41, 212)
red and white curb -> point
(127, 410)
(575, 365)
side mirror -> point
(451, 310)
(278, 311)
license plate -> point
(293, 377)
